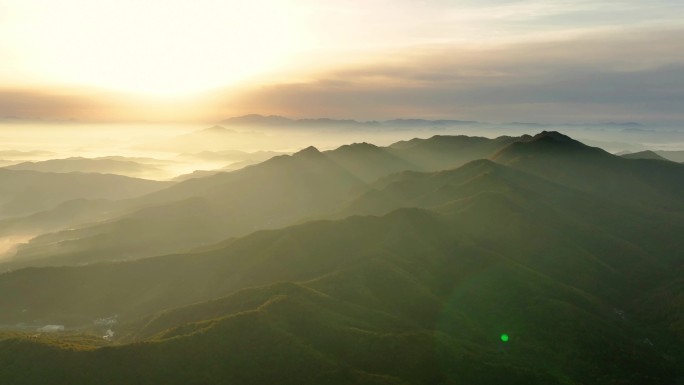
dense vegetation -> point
(424, 255)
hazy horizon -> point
(167, 142)
(573, 61)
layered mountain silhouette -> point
(24, 192)
(404, 264)
(234, 160)
(281, 191)
(559, 158)
(675, 156)
(312, 184)
(643, 155)
(89, 165)
(275, 193)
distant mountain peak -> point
(554, 136)
(648, 154)
(216, 129)
(259, 119)
(359, 146)
(363, 144)
(556, 140)
(546, 142)
(277, 120)
(309, 151)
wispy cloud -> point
(475, 59)
(393, 23)
(624, 76)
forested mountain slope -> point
(418, 286)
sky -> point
(205, 60)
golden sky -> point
(202, 60)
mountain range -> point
(448, 260)
(280, 191)
(104, 165)
(276, 120)
(674, 156)
(24, 192)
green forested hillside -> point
(278, 192)
(418, 286)
(564, 160)
(287, 190)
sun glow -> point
(151, 46)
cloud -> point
(626, 76)
(91, 105)
(35, 105)
(629, 75)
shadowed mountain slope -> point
(289, 189)
(370, 162)
(278, 192)
(446, 152)
(566, 161)
(675, 156)
(418, 295)
(26, 192)
(413, 297)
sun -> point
(156, 47)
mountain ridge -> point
(353, 169)
(416, 286)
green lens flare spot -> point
(504, 337)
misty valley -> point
(343, 252)
(297, 192)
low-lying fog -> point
(165, 151)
